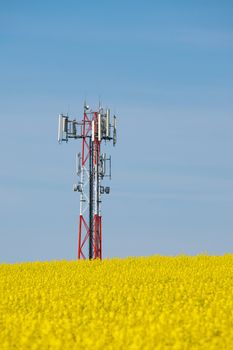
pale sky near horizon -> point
(165, 68)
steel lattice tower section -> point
(91, 167)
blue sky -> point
(165, 68)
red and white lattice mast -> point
(91, 167)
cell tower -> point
(91, 167)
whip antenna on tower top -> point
(91, 168)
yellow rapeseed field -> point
(135, 303)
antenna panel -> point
(107, 123)
(93, 130)
(104, 163)
(78, 164)
(73, 129)
(99, 127)
(60, 132)
(65, 124)
(62, 128)
(114, 131)
(114, 122)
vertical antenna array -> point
(91, 168)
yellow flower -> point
(135, 303)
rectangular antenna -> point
(107, 122)
(62, 128)
(114, 122)
(99, 127)
(114, 131)
(60, 132)
(73, 129)
(93, 130)
(104, 163)
(64, 124)
(78, 164)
